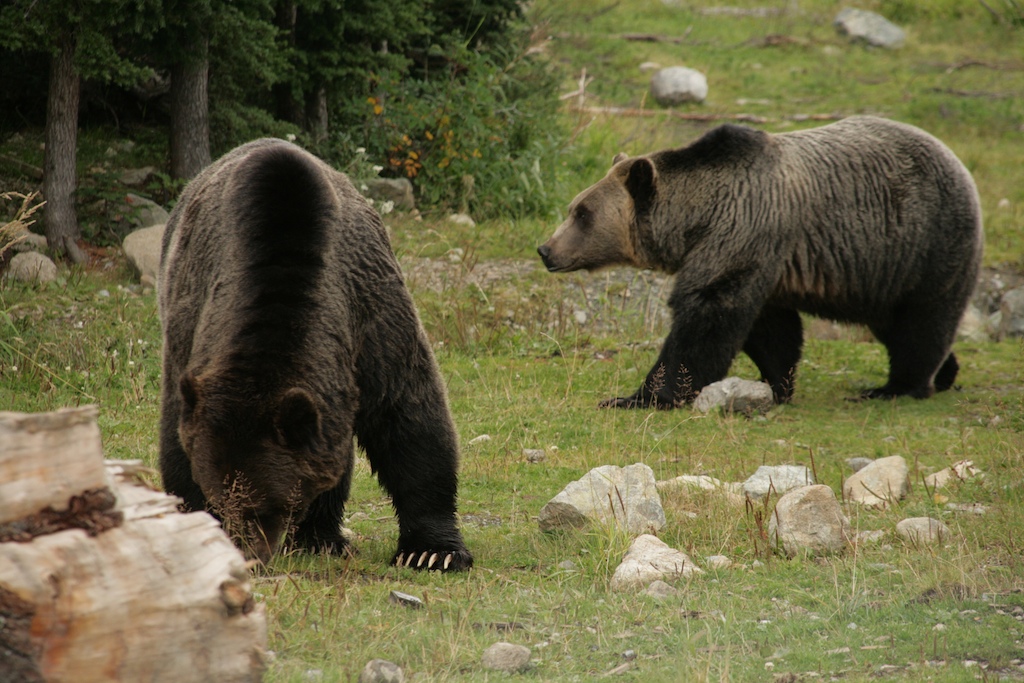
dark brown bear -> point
(864, 221)
(288, 331)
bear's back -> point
(263, 249)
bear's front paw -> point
(445, 560)
(330, 543)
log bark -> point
(105, 580)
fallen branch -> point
(687, 116)
(974, 93)
(31, 171)
(963, 64)
(655, 38)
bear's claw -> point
(431, 560)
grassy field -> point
(522, 369)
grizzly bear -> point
(288, 331)
(864, 221)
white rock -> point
(922, 530)
(506, 657)
(677, 85)
(479, 439)
(624, 496)
(461, 219)
(381, 671)
(735, 395)
(809, 521)
(650, 559)
(882, 482)
(869, 27)
(700, 482)
(142, 249)
(777, 478)
(31, 266)
(958, 471)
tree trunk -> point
(61, 222)
(286, 106)
(102, 579)
(316, 115)
(190, 114)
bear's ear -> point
(297, 421)
(641, 183)
(621, 156)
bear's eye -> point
(583, 216)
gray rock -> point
(144, 213)
(624, 496)
(809, 521)
(922, 531)
(678, 85)
(534, 455)
(974, 326)
(735, 395)
(650, 559)
(869, 27)
(659, 590)
(972, 508)
(719, 562)
(869, 536)
(882, 482)
(1011, 313)
(28, 241)
(134, 177)
(506, 657)
(461, 219)
(777, 478)
(396, 190)
(142, 249)
(31, 266)
(381, 671)
(857, 464)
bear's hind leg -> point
(918, 354)
(774, 344)
(946, 375)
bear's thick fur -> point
(864, 221)
(288, 330)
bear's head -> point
(607, 221)
(260, 460)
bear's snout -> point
(545, 252)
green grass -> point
(522, 370)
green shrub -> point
(481, 135)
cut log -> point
(105, 580)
